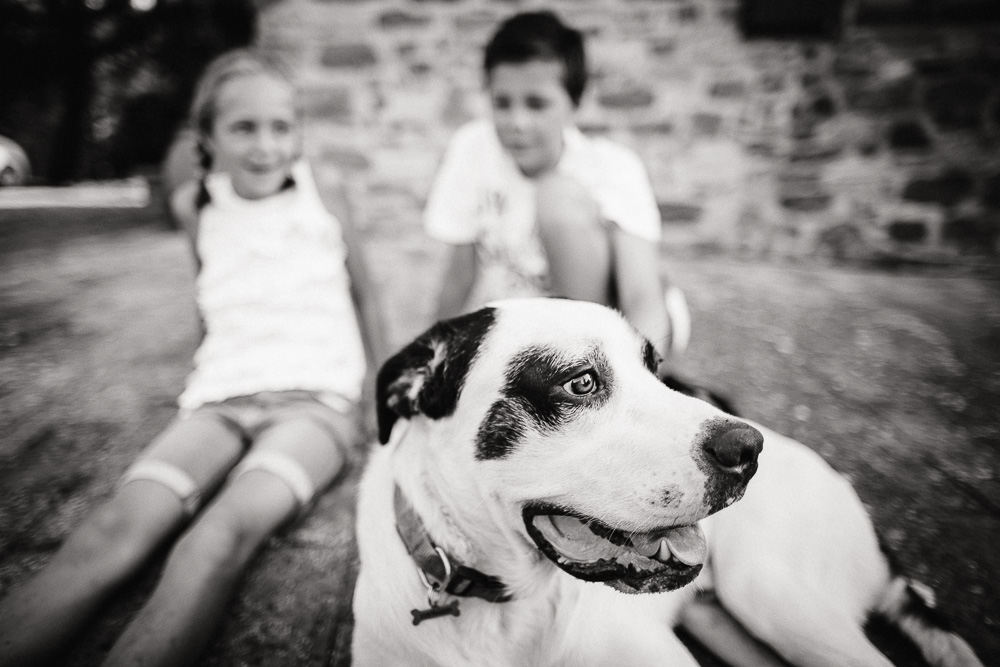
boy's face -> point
(530, 109)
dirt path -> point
(895, 378)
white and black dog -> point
(534, 455)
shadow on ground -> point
(893, 377)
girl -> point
(268, 410)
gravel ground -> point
(893, 376)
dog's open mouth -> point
(652, 562)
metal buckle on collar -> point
(436, 590)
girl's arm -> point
(363, 289)
(183, 209)
(640, 290)
(457, 283)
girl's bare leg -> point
(38, 620)
(203, 570)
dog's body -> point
(536, 444)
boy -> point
(531, 206)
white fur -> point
(796, 561)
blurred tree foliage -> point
(94, 88)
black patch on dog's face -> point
(534, 397)
(437, 362)
(721, 489)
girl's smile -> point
(530, 110)
(256, 135)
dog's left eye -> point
(583, 384)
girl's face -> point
(255, 135)
(530, 110)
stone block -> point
(908, 231)
(908, 135)
(809, 151)
(397, 18)
(772, 82)
(663, 46)
(655, 128)
(841, 242)
(688, 14)
(991, 192)
(854, 66)
(823, 106)
(706, 124)
(972, 234)
(728, 89)
(477, 21)
(332, 104)
(679, 212)
(938, 65)
(455, 111)
(345, 158)
(882, 97)
(634, 98)
(791, 19)
(799, 181)
(348, 56)
(810, 79)
(958, 104)
(807, 203)
(946, 189)
(594, 128)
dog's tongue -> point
(686, 544)
(575, 540)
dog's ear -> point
(426, 376)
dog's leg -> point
(720, 633)
(798, 623)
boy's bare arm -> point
(457, 281)
(640, 288)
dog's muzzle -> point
(650, 562)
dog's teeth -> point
(687, 544)
(663, 554)
(646, 546)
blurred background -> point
(827, 171)
(863, 129)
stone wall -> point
(882, 145)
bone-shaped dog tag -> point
(435, 611)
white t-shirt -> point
(480, 197)
(274, 293)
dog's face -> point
(552, 410)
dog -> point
(544, 499)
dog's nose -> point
(735, 449)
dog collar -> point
(440, 573)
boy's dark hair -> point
(540, 36)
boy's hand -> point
(678, 321)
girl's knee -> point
(112, 536)
(234, 526)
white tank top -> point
(274, 294)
